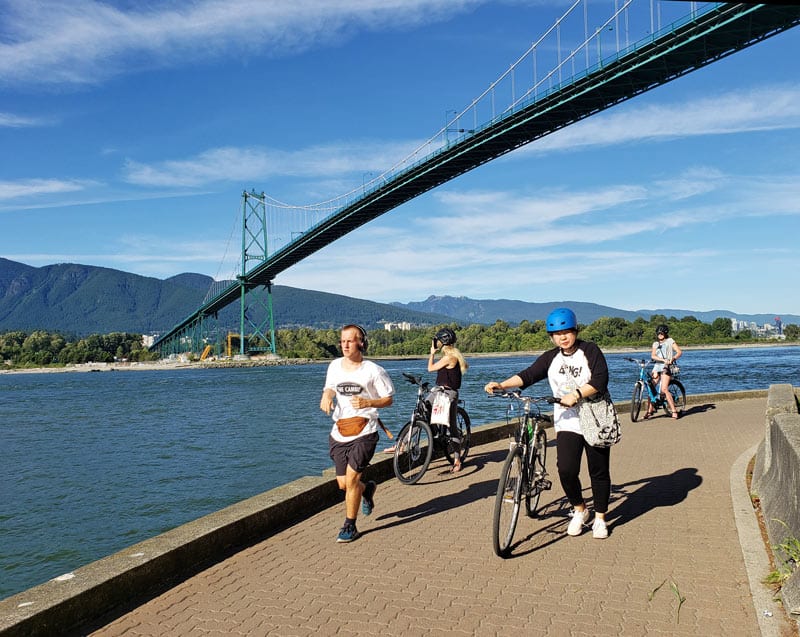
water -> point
(93, 462)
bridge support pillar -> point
(256, 320)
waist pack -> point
(351, 426)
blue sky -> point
(129, 131)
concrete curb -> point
(776, 479)
(131, 576)
(756, 560)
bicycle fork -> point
(538, 477)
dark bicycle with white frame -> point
(419, 438)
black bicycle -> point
(524, 473)
(418, 440)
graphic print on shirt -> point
(570, 370)
(349, 389)
(567, 377)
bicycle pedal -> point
(546, 484)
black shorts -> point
(356, 453)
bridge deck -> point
(425, 564)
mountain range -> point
(467, 310)
(81, 300)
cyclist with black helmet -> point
(576, 370)
(449, 369)
(665, 352)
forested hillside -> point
(82, 300)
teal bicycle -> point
(647, 392)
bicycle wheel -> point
(413, 451)
(636, 400)
(537, 474)
(507, 502)
(678, 395)
(462, 421)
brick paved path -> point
(425, 564)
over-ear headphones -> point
(364, 344)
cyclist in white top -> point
(665, 353)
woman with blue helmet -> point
(576, 370)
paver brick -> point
(425, 564)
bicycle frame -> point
(418, 439)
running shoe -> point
(367, 501)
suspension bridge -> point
(591, 63)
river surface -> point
(93, 462)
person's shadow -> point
(635, 498)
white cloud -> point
(757, 109)
(85, 41)
(34, 187)
(507, 245)
(233, 164)
(10, 120)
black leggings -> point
(569, 448)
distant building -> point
(403, 326)
(768, 330)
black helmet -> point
(662, 329)
(446, 336)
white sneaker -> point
(599, 529)
(579, 518)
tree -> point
(791, 332)
(722, 328)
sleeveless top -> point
(449, 377)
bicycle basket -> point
(673, 370)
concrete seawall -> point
(137, 573)
(776, 481)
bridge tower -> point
(256, 321)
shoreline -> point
(268, 361)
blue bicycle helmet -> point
(561, 318)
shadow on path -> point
(440, 504)
(637, 497)
(698, 409)
(553, 531)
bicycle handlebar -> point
(517, 395)
(639, 361)
(415, 380)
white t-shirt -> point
(566, 374)
(663, 349)
(369, 380)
